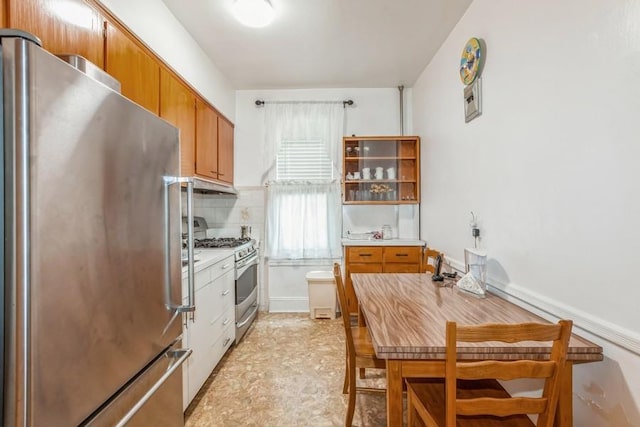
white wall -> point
(154, 24)
(376, 112)
(550, 168)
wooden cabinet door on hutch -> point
(178, 106)
(225, 150)
(206, 140)
(64, 27)
(137, 71)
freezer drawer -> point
(163, 407)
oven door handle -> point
(244, 264)
(249, 317)
(190, 307)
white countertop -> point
(383, 242)
(207, 257)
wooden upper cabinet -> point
(225, 150)
(206, 141)
(137, 71)
(178, 106)
(65, 27)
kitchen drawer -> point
(202, 277)
(366, 254)
(222, 344)
(223, 294)
(398, 267)
(221, 323)
(402, 254)
(222, 266)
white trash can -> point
(322, 294)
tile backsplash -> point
(227, 212)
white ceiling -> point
(323, 43)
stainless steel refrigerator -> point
(92, 289)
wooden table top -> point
(407, 313)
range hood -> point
(212, 187)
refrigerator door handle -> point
(190, 307)
(180, 356)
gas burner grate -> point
(222, 242)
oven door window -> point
(246, 283)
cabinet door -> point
(225, 150)
(352, 301)
(401, 268)
(65, 27)
(138, 72)
(177, 106)
(206, 141)
(381, 170)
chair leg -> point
(345, 387)
(410, 408)
(352, 397)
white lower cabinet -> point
(213, 330)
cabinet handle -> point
(402, 254)
(365, 254)
(220, 174)
(226, 321)
(226, 292)
(224, 267)
(226, 342)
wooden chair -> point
(430, 255)
(360, 352)
(460, 402)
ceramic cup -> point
(379, 173)
(366, 173)
(391, 173)
(356, 175)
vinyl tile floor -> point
(287, 371)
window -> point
(303, 160)
(303, 198)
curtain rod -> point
(260, 102)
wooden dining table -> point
(406, 314)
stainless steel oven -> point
(246, 292)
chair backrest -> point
(430, 256)
(344, 311)
(550, 370)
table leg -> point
(394, 393)
(564, 411)
(361, 319)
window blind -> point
(303, 160)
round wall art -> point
(470, 61)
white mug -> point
(391, 173)
(356, 175)
(366, 173)
(379, 173)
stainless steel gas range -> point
(246, 271)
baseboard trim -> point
(551, 309)
(288, 305)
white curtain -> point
(302, 121)
(303, 217)
(303, 220)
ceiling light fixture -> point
(253, 13)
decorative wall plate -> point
(470, 61)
